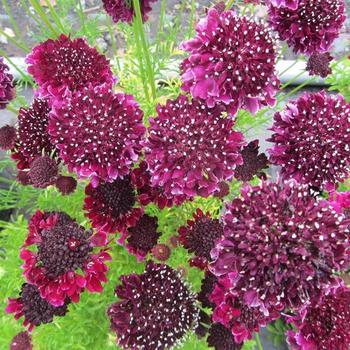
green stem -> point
(229, 4)
(81, 16)
(14, 41)
(23, 75)
(190, 31)
(258, 341)
(55, 16)
(114, 44)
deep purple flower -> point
(253, 162)
(155, 309)
(62, 248)
(8, 137)
(311, 27)
(220, 338)
(224, 189)
(292, 4)
(281, 246)
(43, 172)
(22, 341)
(123, 10)
(63, 65)
(191, 148)
(311, 140)
(34, 308)
(161, 252)
(318, 64)
(232, 62)
(324, 326)
(66, 184)
(200, 235)
(7, 87)
(208, 283)
(23, 177)
(98, 133)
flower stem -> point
(229, 4)
(258, 341)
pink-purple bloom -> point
(318, 64)
(231, 63)
(8, 137)
(21, 341)
(292, 4)
(7, 86)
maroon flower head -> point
(111, 206)
(63, 65)
(311, 27)
(22, 341)
(62, 248)
(292, 4)
(318, 64)
(224, 189)
(191, 148)
(8, 137)
(253, 162)
(155, 311)
(23, 177)
(7, 87)
(98, 133)
(66, 184)
(34, 308)
(199, 235)
(232, 62)
(161, 252)
(281, 246)
(208, 283)
(220, 338)
(123, 10)
(311, 140)
(43, 172)
(324, 326)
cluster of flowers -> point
(278, 247)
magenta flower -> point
(62, 247)
(98, 133)
(22, 341)
(318, 64)
(323, 326)
(292, 4)
(123, 10)
(232, 62)
(191, 148)
(63, 65)
(155, 309)
(220, 338)
(281, 246)
(66, 184)
(311, 27)
(43, 172)
(8, 137)
(200, 235)
(7, 86)
(311, 138)
(34, 308)
(340, 201)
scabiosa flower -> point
(34, 308)
(43, 172)
(208, 283)
(8, 137)
(220, 338)
(33, 138)
(161, 252)
(98, 133)
(340, 201)
(324, 326)
(311, 140)
(311, 27)
(111, 206)
(318, 64)
(199, 235)
(7, 87)
(155, 311)
(66, 184)
(191, 148)
(232, 62)
(224, 189)
(22, 341)
(281, 246)
(63, 65)
(292, 4)
(123, 10)
(23, 177)
(63, 247)
(253, 162)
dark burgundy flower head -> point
(34, 308)
(140, 238)
(123, 10)
(199, 235)
(66, 184)
(220, 338)
(292, 4)
(161, 252)
(111, 206)
(281, 246)
(33, 138)
(43, 172)
(208, 283)
(7, 86)
(8, 137)
(224, 189)
(155, 311)
(324, 326)
(232, 63)
(22, 341)
(23, 177)
(191, 148)
(98, 133)
(311, 27)
(63, 65)
(318, 64)
(253, 162)
(311, 140)
(62, 248)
